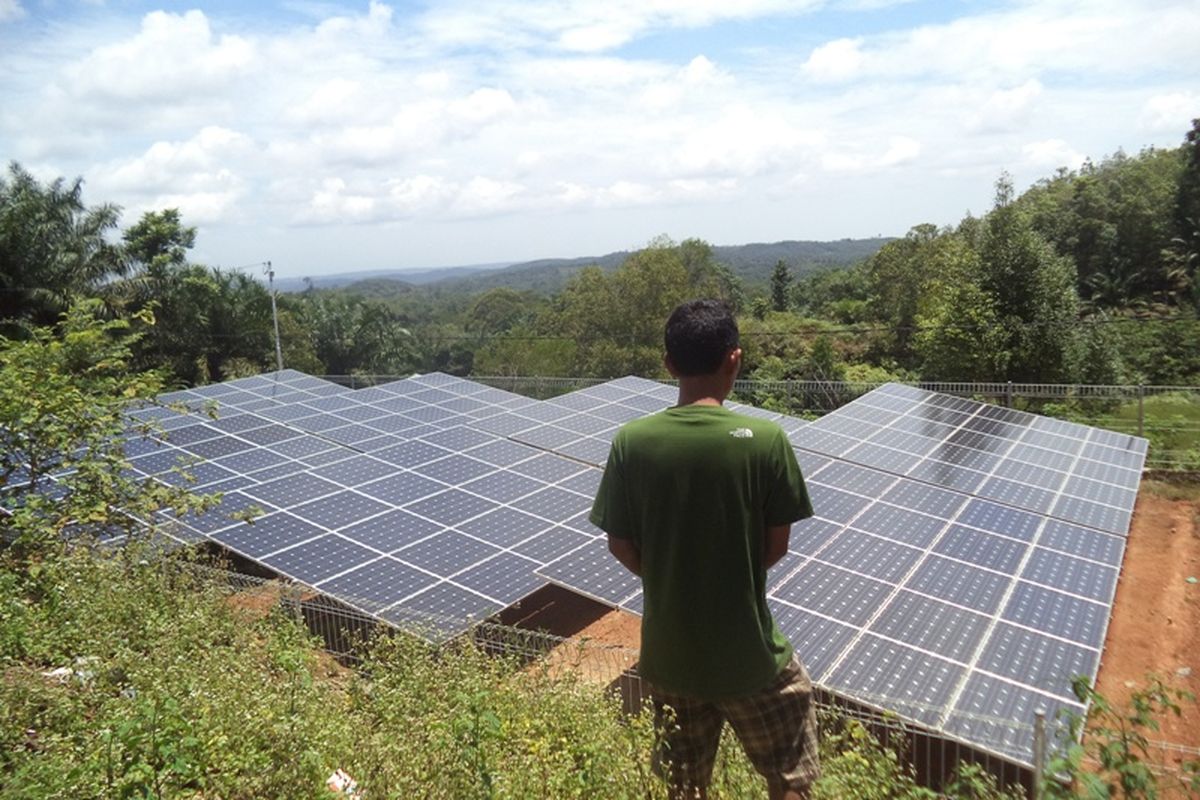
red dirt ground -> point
(1155, 625)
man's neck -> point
(706, 390)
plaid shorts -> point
(777, 727)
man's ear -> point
(734, 360)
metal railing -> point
(1169, 416)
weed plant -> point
(125, 674)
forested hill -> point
(750, 262)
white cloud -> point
(900, 150)
(1027, 38)
(377, 22)
(172, 56)
(1006, 109)
(584, 26)
(1051, 154)
(11, 10)
(194, 175)
(331, 101)
(1171, 112)
(742, 141)
(838, 60)
(331, 203)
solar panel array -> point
(959, 570)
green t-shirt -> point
(695, 487)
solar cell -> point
(931, 625)
(320, 558)
(1059, 571)
(378, 584)
(454, 469)
(267, 534)
(988, 706)
(442, 611)
(391, 531)
(551, 544)
(446, 553)
(503, 486)
(870, 555)
(959, 583)
(592, 571)
(506, 577)
(339, 509)
(451, 506)
(1083, 542)
(914, 683)
(834, 592)
(1037, 660)
(983, 549)
(1057, 613)
(292, 490)
(505, 527)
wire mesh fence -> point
(1169, 416)
(1010, 752)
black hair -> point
(699, 334)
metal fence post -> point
(1039, 752)
(1008, 395)
(1141, 410)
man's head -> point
(701, 339)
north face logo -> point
(742, 433)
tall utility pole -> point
(274, 315)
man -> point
(699, 501)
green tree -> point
(616, 320)
(497, 311)
(1109, 218)
(64, 395)
(897, 277)
(1033, 294)
(781, 282)
(159, 237)
(1184, 255)
(349, 335)
(213, 324)
(53, 248)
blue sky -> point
(333, 137)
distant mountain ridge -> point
(752, 263)
(412, 277)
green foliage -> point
(53, 248)
(1113, 220)
(1032, 292)
(781, 281)
(158, 238)
(615, 320)
(213, 325)
(63, 394)
(857, 764)
(840, 295)
(348, 335)
(1114, 759)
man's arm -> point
(774, 547)
(625, 551)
